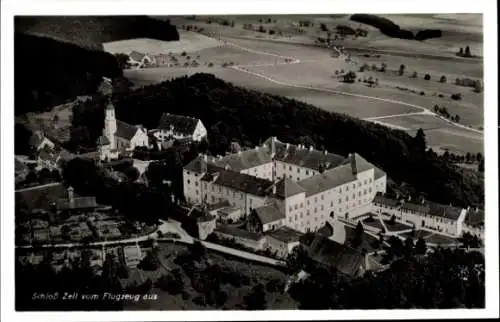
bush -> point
(427, 77)
(414, 75)
(210, 64)
(272, 32)
(442, 79)
(456, 96)
(422, 93)
(183, 53)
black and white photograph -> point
(337, 161)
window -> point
(322, 208)
(220, 189)
(347, 188)
(364, 191)
(315, 210)
(187, 172)
(370, 189)
(296, 207)
(346, 198)
(331, 204)
(295, 216)
(197, 192)
(322, 197)
(301, 205)
(340, 190)
(359, 194)
(298, 170)
(307, 172)
(340, 200)
(315, 199)
(196, 183)
(301, 215)
(213, 198)
(290, 168)
(189, 181)
(308, 202)
(359, 184)
(308, 213)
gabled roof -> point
(245, 159)
(285, 234)
(238, 181)
(327, 180)
(287, 187)
(269, 213)
(304, 156)
(78, 203)
(125, 130)
(135, 55)
(475, 217)
(343, 258)
(238, 233)
(102, 140)
(381, 199)
(181, 124)
(417, 207)
(445, 211)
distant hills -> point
(92, 31)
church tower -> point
(110, 125)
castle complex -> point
(279, 184)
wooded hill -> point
(232, 113)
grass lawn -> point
(441, 240)
(367, 243)
(375, 223)
(397, 226)
(235, 295)
(417, 234)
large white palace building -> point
(279, 184)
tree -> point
(436, 108)
(197, 250)
(456, 96)
(421, 246)
(235, 147)
(414, 75)
(297, 259)
(256, 300)
(358, 235)
(468, 157)
(392, 221)
(132, 174)
(401, 69)
(123, 60)
(323, 27)
(427, 77)
(480, 166)
(478, 86)
(442, 79)
(461, 51)
(467, 52)
(420, 142)
(408, 247)
(396, 246)
(350, 77)
(151, 262)
(457, 118)
(479, 157)
(383, 67)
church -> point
(119, 137)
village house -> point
(180, 127)
(76, 204)
(282, 241)
(304, 185)
(229, 215)
(474, 222)
(119, 136)
(248, 239)
(140, 60)
(442, 218)
(39, 141)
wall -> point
(205, 228)
(254, 244)
(264, 171)
(140, 139)
(291, 171)
(273, 225)
(200, 132)
(281, 248)
(192, 188)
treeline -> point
(443, 279)
(389, 28)
(48, 72)
(232, 113)
(92, 31)
(134, 200)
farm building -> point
(75, 204)
(255, 241)
(180, 127)
(282, 241)
(140, 60)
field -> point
(309, 73)
(255, 273)
(189, 42)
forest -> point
(234, 114)
(48, 72)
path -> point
(293, 60)
(39, 186)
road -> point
(293, 60)
(164, 227)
